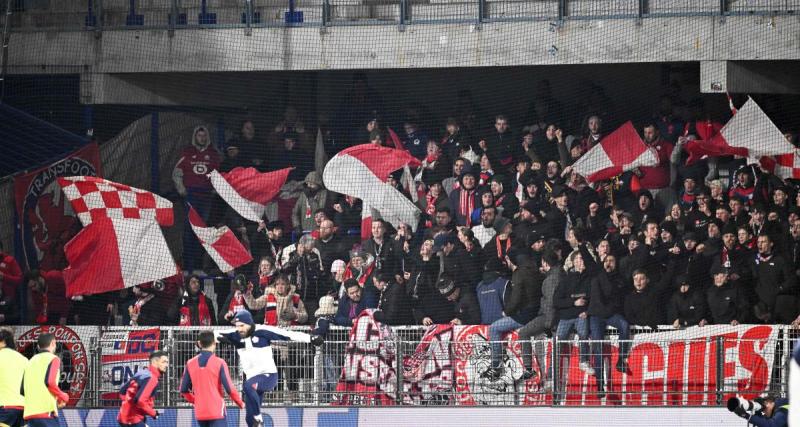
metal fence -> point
(98, 15)
(404, 371)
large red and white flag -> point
(93, 198)
(220, 243)
(620, 151)
(362, 172)
(247, 190)
(116, 253)
(749, 133)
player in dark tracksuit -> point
(203, 381)
(139, 393)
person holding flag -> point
(43, 397)
(204, 378)
(139, 393)
(253, 344)
(14, 364)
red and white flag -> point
(220, 243)
(247, 190)
(362, 172)
(620, 151)
(113, 253)
(93, 198)
(749, 133)
(787, 166)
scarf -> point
(763, 258)
(237, 302)
(362, 277)
(271, 312)
(137, 308)
(430, 208)
(203, 314)
(265, 280)
(485, 176)
(430, 159)
(466, 204)
(502, 252)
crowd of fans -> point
(510, 236)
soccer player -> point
(43, 398)
(11, 402)
(203, 380)
(255, 357)
(139, 393)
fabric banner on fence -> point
(45, 218)
(666, 368)
(123, 353)
(73, 345)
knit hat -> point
(337, 265)
(243, 316)
(313, 177)
(327, 307)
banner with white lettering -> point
(122, 354)
(72, 343)
(676, 367)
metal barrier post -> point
(642, 11)
(403, 14)
(554, 364)
(723, 10)
(481, 11)
(562, 9)
(173, 17)
(95, 366)
(248, 17)
(398, 360)
(720, 378)
(319, 374)
(326, 13)
(169, 346)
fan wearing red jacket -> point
(139, 393)
(204, 379)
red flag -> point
(362, 172)
(750, 133)
(620, 151)
(111, 254)
(248, 191)
(220, 243)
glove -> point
(317, 340)
(742, 413)
(158, 414)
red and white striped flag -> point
(248, 191)
(116, 253)
(620, 151)
(749, 133)
(362, 172)
(220, 243)
(92, 198)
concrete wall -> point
(665, 39)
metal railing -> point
(407, 371)
(98, 15)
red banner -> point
(45, 218)
(679, 367)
